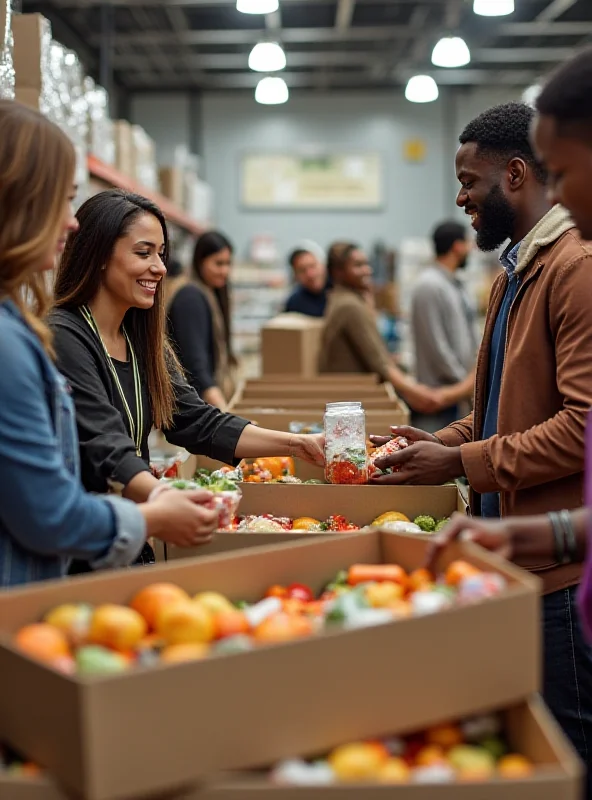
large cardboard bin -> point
(531, 731)
(291, 343)
(360, 504)
(163, 728)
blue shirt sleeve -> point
(42, 505)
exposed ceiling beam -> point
(542, 28)
(234, 61)
(554, 10)
(513, 55)
(227, 3)
(242, 36)
(248, 80)
(344, 14)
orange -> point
(117, 627)
(356, 762)
(230, 623)
(73, 619)
(458, 570)
(390, 516)
(514, 766)
(306, 524)
(214, 602)
(395, 770)
(185, 622)
(42, 641)
(283, 627)
(381, 595)
(152, 598)
(445, 736)
(178, 653)
(431, 754)
(420, 579)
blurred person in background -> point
(387, 317)
(109, 333)
(310, 273)
(46, 517)
(443, 328)
(351, 341)
(523, 449)
(199, 322)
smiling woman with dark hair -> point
(109, 337)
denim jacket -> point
(46, 517)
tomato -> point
(277, 591)
(171, 472)
(282, 627)
(300, 592)
(230, 623)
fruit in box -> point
(442, 754)
(186, 629)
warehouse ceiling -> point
(330, 44)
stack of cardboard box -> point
(6, 64)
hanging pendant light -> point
(272, 91)
(493, 8)
(267, 57)
(422, 89)
(257, 6)
(451, 51)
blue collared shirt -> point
(490, 503)
(46, 517)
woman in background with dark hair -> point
(109, 335)
(199, 320)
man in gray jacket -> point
(443, 328)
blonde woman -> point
(46, 518)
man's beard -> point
(497, 218)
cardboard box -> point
(28, 97)
(531, 730)
(32, 37)
(124, 147)
(171, 184)
(338, 393)
(362, 379)
(360, 504)
(162, 728)
(291, 342)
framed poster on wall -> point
(347, 180)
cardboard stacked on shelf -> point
(144, 155)
(124, 147)
(6, 41)
(183, 722)
(171, 184)
(32, 56)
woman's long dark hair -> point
(103, 220)
(207, 245)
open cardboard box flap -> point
(163, 728)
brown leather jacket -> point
(536, 460)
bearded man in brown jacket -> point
(522, 449)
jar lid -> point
(354, 405)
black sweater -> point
(107, 451)
(190, 331)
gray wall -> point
(416, 195)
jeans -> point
(567, 673)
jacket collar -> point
(554, 224)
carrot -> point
(365, 573)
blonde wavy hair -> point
(37, 163)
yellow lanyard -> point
(136, 426)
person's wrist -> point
(153, 517)
(455, 461)
(531, 538)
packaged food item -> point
(346, 460)
(226, 495)
(393, 446)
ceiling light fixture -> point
(451, 51)
(493, 8)
(267, 57)
(272, 91)
(257, 6)
(421, 89)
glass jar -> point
(346, 460)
